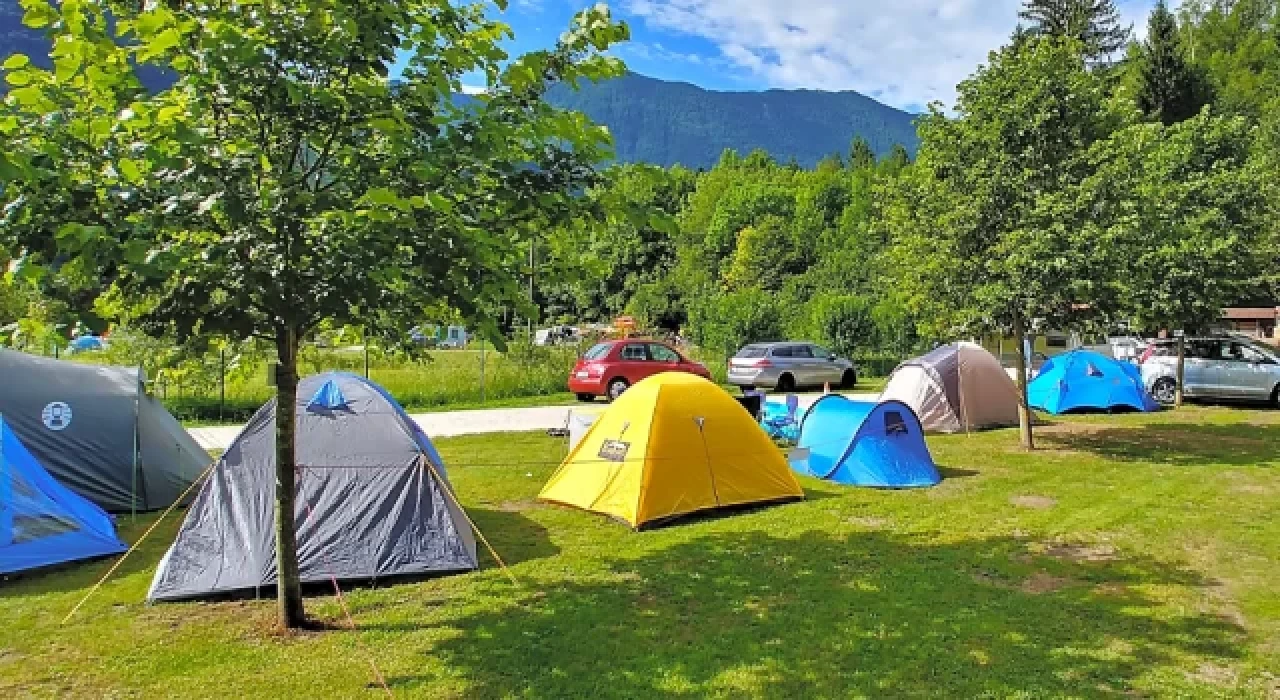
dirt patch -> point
(1082, 552)
(1035, 502)
(1213, 674)
(868, 521)
(517, 506)
(1043, 582)
(1111, 588)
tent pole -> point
(133, 474)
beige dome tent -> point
(956, 387)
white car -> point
(1125, 348)
(1228, 368)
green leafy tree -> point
(1170, 88)
(1194, 228)
(1093, 24)
(987, 234)
(765, 255)
(283, 181)
(1236, 43)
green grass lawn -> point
(1132, 556)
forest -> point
(1147, 173)
(1083, 178)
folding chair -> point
(780, 427)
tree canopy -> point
(283, 181)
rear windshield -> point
(753, 351)
(597, 351)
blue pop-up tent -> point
(865, 444)
(41, 521)
(1083, 380)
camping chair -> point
(778, 427)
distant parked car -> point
(609, 368)
(1227, 368)
(1121, 347)
(787, 366)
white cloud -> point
(473, 89)
(902, 52)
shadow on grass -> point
(956, 473)
(822, 615)
(515, 537)
(81, 575)
(1183, 444)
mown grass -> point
(1132, 556)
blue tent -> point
(865, 444)
(87, 342)
(1082, 380)
(41, 521)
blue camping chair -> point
(785, 425)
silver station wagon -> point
(1227, 368)
(787, 366)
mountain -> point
(15, 37)
(657, 121)
(664, 123)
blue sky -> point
(904, 53)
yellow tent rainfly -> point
(671, 445)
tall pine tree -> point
(861, 157)
(1170, 88)
(1093, 23)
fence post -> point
(365, 336)
(222, 381)
(482, 344)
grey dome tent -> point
(959, 386)
(96, 431)
(373, 500)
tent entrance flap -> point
(43, 523)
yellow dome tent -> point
(671, 445)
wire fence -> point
(229, 383)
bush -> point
(727, 321)
(842, 323)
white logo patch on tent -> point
(56, 415)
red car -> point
(609, 368)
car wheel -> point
(1165, 391)
(849, 380)
(616, 387)
(786, 383)
(586, 398)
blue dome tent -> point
(861, 443)
(1083, 380)
(42, 522)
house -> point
(1257, 321)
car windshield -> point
(597, 351)
(753, 351)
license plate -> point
(581, 375)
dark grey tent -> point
(373, 500)
(96, 431)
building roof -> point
(1267, 313)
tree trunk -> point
(1024, 408)
(289, 589)
(1182, 358)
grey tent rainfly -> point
(96, 431)
(373, 500)
(958, 386)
